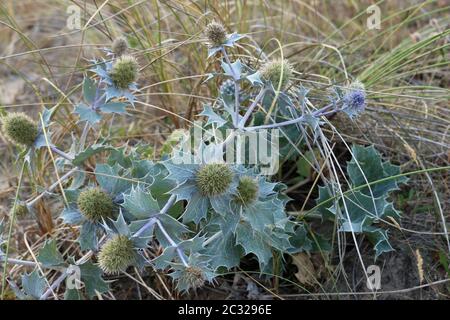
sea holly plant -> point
(192, 215)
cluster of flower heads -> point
(234, 209)
(118, 75)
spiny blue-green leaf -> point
(196, 209)
(363, 210)
(175, 229)
(255, 78)
(71, 216)
(192, 245)
(112, 179)
(73, 294)
(233, 70)
(140, 203)
(114, 107)
(300, 240)
(81, 157)
(253, 242)
(184, 191)
(88, 114)
(380, 240)
(224, 252)
(180, 172)
(91, 275)
(119, 156)
(212, 116)
(120, 226)
(233, 38)
(49, 255)
(366, 166)
(33, 285)
(262, 214)
(324, 203)
(89, 90)
(42, 142)
(163, 261)
(88, 236)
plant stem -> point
(65, 274)
(52, 187)
(8, 240)
(236, 88)
(317, 113)
(251, 108)
(153, 220)
(61, 153)
(55, 284)
(172, 243)
(27, 263)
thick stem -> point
(251, 108)
(55, 284)
(61, 153)
(153, 220)
(172, 243)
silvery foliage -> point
(159, 204)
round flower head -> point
(20, 129)
(277, 71)
(227, 88)
(214, 179)
(119, 46)
(124, 71)
(193, 277)
(216, 34)
(247, 191)
(95, 204)
(116, 254)
(354, 99)
(19, 210)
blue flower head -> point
(227, 88)
(354, 100)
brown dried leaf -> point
(306, 272)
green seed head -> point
(116, 254)
(20, 129)
(19, 210)
(216, 34)
(119, 46)
(95, 204)
(247, 191)
(124, 71)
(193, 277)
(214, 179)
(277, 71)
